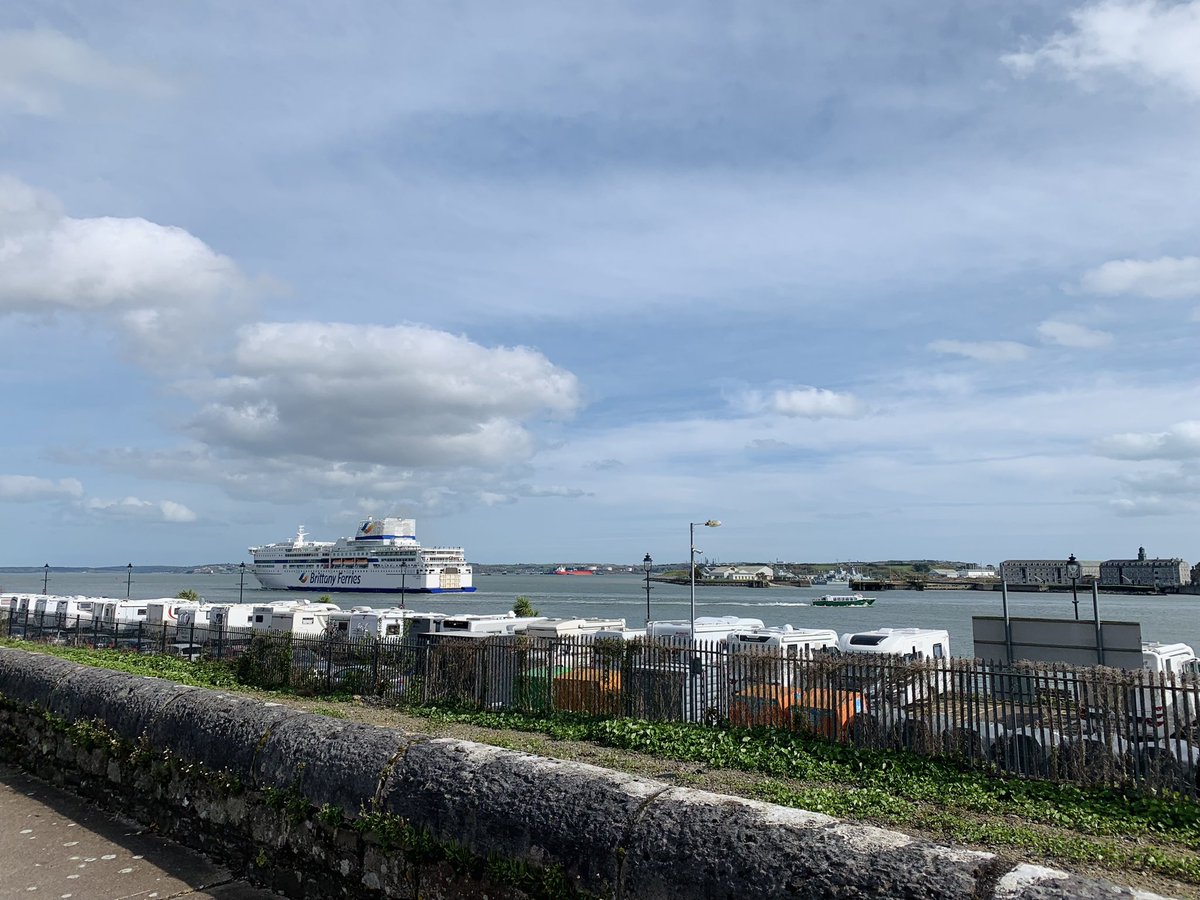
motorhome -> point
(908, 643)
(772, 655)
(889, 691)
(1164, 703)
(681, 671)
(1178, 659)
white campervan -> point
(774, 655)
(909, 643)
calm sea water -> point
(1163, 618)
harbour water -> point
(1168, 617)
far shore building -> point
(1158, 572)
(739, 573)
(1047, 571)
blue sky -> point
(555, 279)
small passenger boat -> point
(843, 600)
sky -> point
(557, 279)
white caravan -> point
(482, 626)
(263, 613)
(381, 623)
(224, 617)
(120, 612)
(705, 628)
(307, 619)
(165, 611)
(557, 628)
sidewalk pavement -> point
(55, 846)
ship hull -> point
(363, 582)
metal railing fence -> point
(1084, 725)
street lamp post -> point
(711, 523)
(1073, 571)
(403, 583)
(647, 562)
(45, 576)
(128, 579)
(241, 580)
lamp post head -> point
(1073, 567)
(713, 523)
(647, 562)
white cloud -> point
(392, 396)
(984, 351)
(135, 508)
(31, 487)
(158, 285)
(37, 67)
(1149, 505)
(1167, 278)
(803, 403)
(1146, 40)
(1069, 334)
(1180, 441)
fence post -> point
(375, 654)
(139, 636)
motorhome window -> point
(1167, 664)
(258, 618)
(451, 625)
(938, 652)
(910, 657)
(868, 640)
(793, 650)
(142, 611)
(393, 630)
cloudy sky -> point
(863, 281)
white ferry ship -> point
(383, 556)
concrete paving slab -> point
(54, 845)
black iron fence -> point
(1086, 725)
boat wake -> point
(780, 603)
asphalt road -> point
(54, 845)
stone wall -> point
(318, 807)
